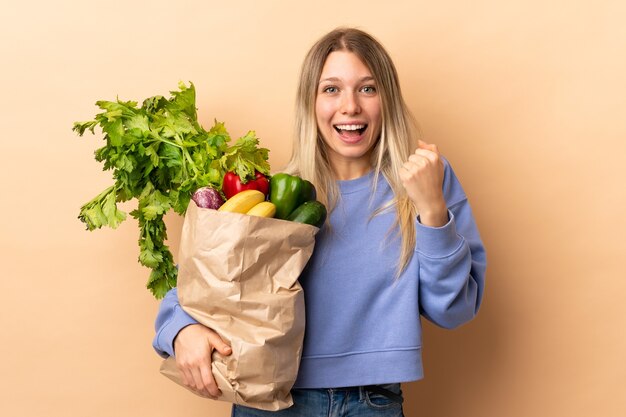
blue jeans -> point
(336, 402)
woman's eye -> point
(330, 89)
(369, 89)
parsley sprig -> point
(160, 155)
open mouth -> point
(351, 131)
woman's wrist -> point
(436, 216)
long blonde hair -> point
(397, 141)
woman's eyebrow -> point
(332, 79)
(336, 79)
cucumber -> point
(309, 212)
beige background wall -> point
(526, 98)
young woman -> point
(401, 243)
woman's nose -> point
(350, 104)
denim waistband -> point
(376, 389)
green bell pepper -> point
(288, 192)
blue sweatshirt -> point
(362, 323)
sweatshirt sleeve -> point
(452, 261)
(170, 320)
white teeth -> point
(350, 127)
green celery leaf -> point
(185, 99)
(244, 157)
(80, 127)
(110, 210)
(150, 258)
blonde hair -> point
(397, 140)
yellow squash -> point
(243, 201)
(263, 209)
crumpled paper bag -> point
(238, 275)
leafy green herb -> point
(244, 157)
(160, 155)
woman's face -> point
(348, 113)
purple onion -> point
(207, 197)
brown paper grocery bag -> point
(238, 275)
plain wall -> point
(527, 99)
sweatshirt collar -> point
(357, 184)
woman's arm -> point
(451, 255)
(452, 263)
(170, 320)
(178, 332)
